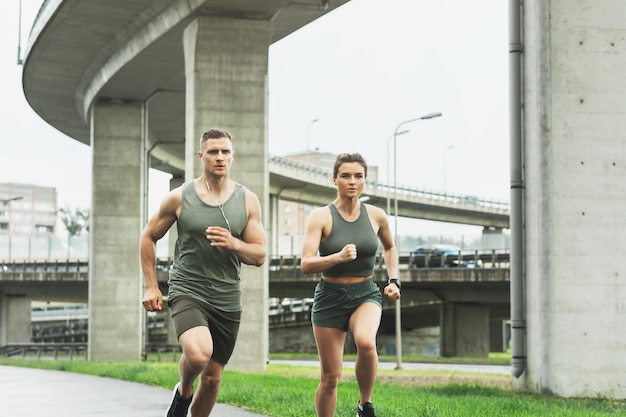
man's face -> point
(217, 155)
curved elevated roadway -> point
(300, 182)
(123, 50)
(81, 52)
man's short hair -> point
(214, 133)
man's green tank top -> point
(201, 271)
(359, 232)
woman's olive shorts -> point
(333, 304)
(224, 325)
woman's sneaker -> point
(179, 405)
(365, 410)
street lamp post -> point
(388, 165)
(308, 135)
(397, 132)
(445, 169)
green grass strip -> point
(288, 391)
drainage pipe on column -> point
(518, 319)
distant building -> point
(27, 210)
(28, 218)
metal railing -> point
(78, 269)
(39, 350)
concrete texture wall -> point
(574, 119)
(417, 342)
(226, 64)
(465, 330)
(14, 319)
(298, 339)
(115, 281)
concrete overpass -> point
(465, 303)
(81, 52)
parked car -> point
(474, 263)
(436, 255)
(275, 306)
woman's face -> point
(350, 179)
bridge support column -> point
(226, 63)
(497, 336)
(464, 330)
(573, 222)
(273, 238)
(172, 338)
(493, 238)
(15, 314)
(172, 234)
(115, 282)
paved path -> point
(26, 392)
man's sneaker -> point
(365, 410)
(179, 405)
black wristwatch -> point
(394, 281)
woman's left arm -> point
(390, 253)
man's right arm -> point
(156, 228)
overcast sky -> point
(360, 71)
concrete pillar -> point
(172, 234)
(115, 281)
(465, 330)
(273, 238)
(172, 339)
(493, 238)
(574, 197)
(15, 312)
(497, 336)
(226, 86)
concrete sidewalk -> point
(26, 392)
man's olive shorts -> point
(188, 312)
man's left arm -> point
(252, 249)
